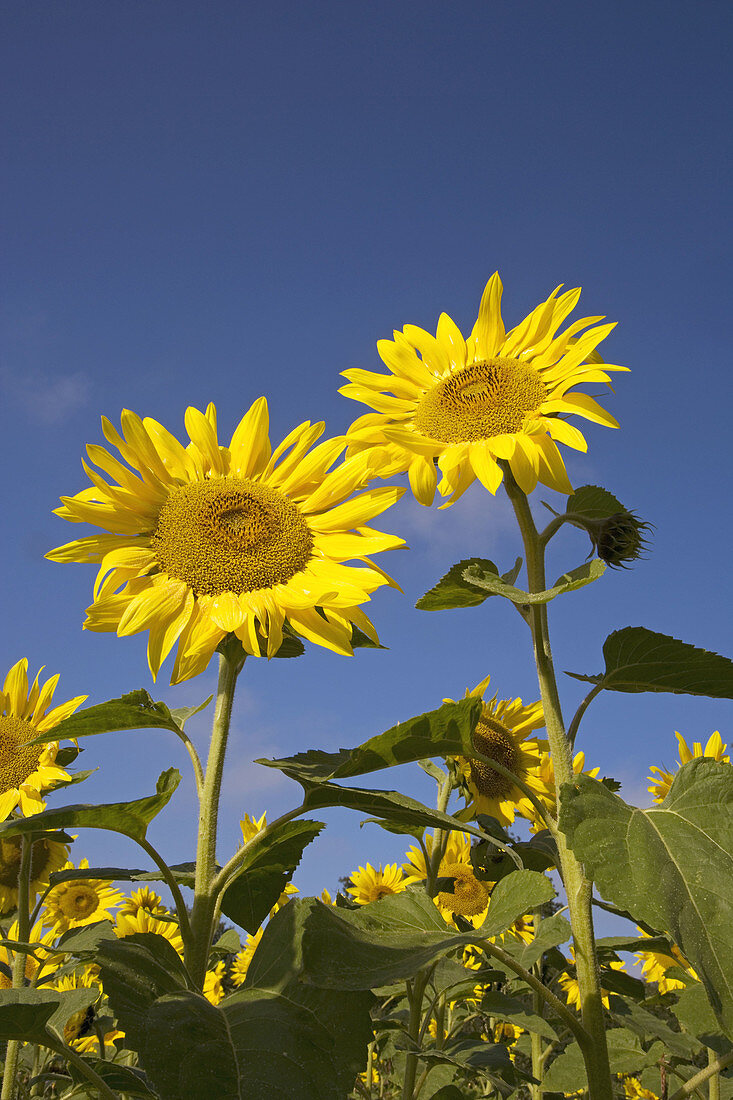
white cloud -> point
(44, 397)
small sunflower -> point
(655, 964)
(213, 983)
(467, 404)
(79, 1030)
(368, 884)
(47, 856)
(502, 733)
(26, 771)
(661, 780)
(144, 898)
(127, 924)
(251, 826)
(81, 901)
(634, 1090)
(468, 897)
(206, 540)
(572, 989)
(37, 970)
(457, 850)
(243, 958)
(545, 773)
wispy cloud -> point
(44, 397)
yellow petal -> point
(488, 332)
(250, 445)
(354, 513)
(485, 467)
(450, 337)
(423, 479)
(16, 687)
(318, 630)
(203, 436)
(224, 611)
(566, 433)
(164, 635)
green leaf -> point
(453, 591)
(489, 580)
(265, 871)
(227, 944)
(567, 1072)
(80, 941)
(638, 659)
(391, 805)
(515, 1011)
(129, 818)
(256, 1043)
(182, 714)
(135, 711)
(672, 865)
(30, 1014)
(120, 1078)
(108, 874)
(552, 932)
(647, 1025)
(183, 873)
(443, 732)
(697, 1017)
(592, 502)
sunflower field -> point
(472, 968)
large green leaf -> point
(393, 806)
(126, 1079)
(697, 1017)
(267, 868)
(638, 659)
(134, 711)
(37, 1015)
(516, 1012)
(129, 818)
(493, 584)
(453, 590)
(393, 938)
(255, 1044)
(567, 1072)
(592, 502)
(443, 732)
(647, 1025)
(551, 932)
(671, 866)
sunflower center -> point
(78, 901)
(10, 850)
(488, 398)
(493, 740)
(17, 760)
(468, 896)
(230, 535)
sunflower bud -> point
(619, 538)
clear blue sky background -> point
(214, 201)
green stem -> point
(550, 824)
(538, 1005)
(712, 1068)
(231, 661)
(20, 960)
(714, 1081)
(81, 1065)
(579, 889)
(227, 874)
(573, 727)
(170, 881)
(415, 993)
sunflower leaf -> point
(651, 863)
(446, 731)
(108, 874)
(593, 502)
(567, 1072)
(638, 659)
(697, 1017)
(452, 591)
(256, 1043)
(265, 871)
(30, 1014)
(631, 1015)
(135, 711)
(182, 714)
(489, 580)
(129, 818)
(126, 1079)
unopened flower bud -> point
(619, 538)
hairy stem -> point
(231, 660)
(20, 960)
(415, 993)
(579, 889)
(170, 881)
(714, 1080)
(713, 1067)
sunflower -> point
(368, 884)
(634, 1090)
(655, 964)
(243, 958)
(47, 856)
(79, 1030)
(213, 984)
(37, 970)
(205, 540)
(457, 850)
(144, 898)
(81, 901)
(468, 404)
(250, 827)
(572, 990)
(28, 770)
(502, 733)
(545, 773)
(127, 924)
(468, 897)
(661, 781)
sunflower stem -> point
(170, 881)
(579, 889)
(231, 660)
(538, 1005)
(415, 994)
(714, 1081)
(20, 959)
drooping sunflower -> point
(81, 901)
(47, 856)
(469, 403)
(28, 770)
(655, 964)
(205, 540)
(503, 733)
(457, 850)
(369, 884)
(661, 780)
(467, 896)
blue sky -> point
(210, 202)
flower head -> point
(47, 856)
(572, 989)
(462, 892)
(547, 792)
(243, 958)
(144, 898)
(655, 964)
(503, 734)
(81, 901)
(203, 541)
(468, 404)
(661, 780)
(160, 923)
(26, 771)
(369, 884)
(37, 970)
